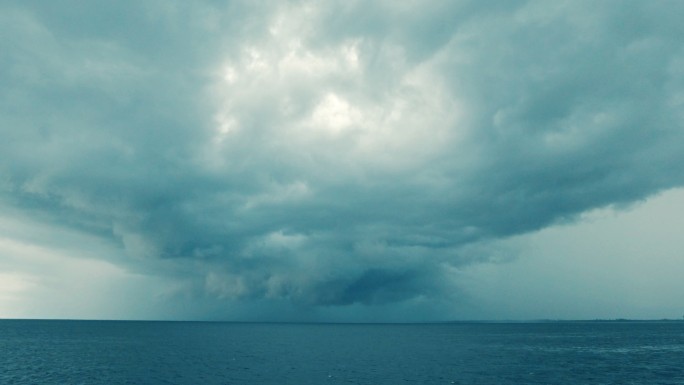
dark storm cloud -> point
(337, 153)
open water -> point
(111, 352)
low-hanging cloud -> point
(333, 153)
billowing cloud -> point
(337, 153)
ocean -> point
(131, 352)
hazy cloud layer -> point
(333, 153)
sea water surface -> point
(120, 352)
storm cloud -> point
(333, 153)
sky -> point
(346, 161)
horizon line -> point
(456, 321)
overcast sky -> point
(341, 160)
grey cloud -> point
(334, 154)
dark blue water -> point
(101, 352)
